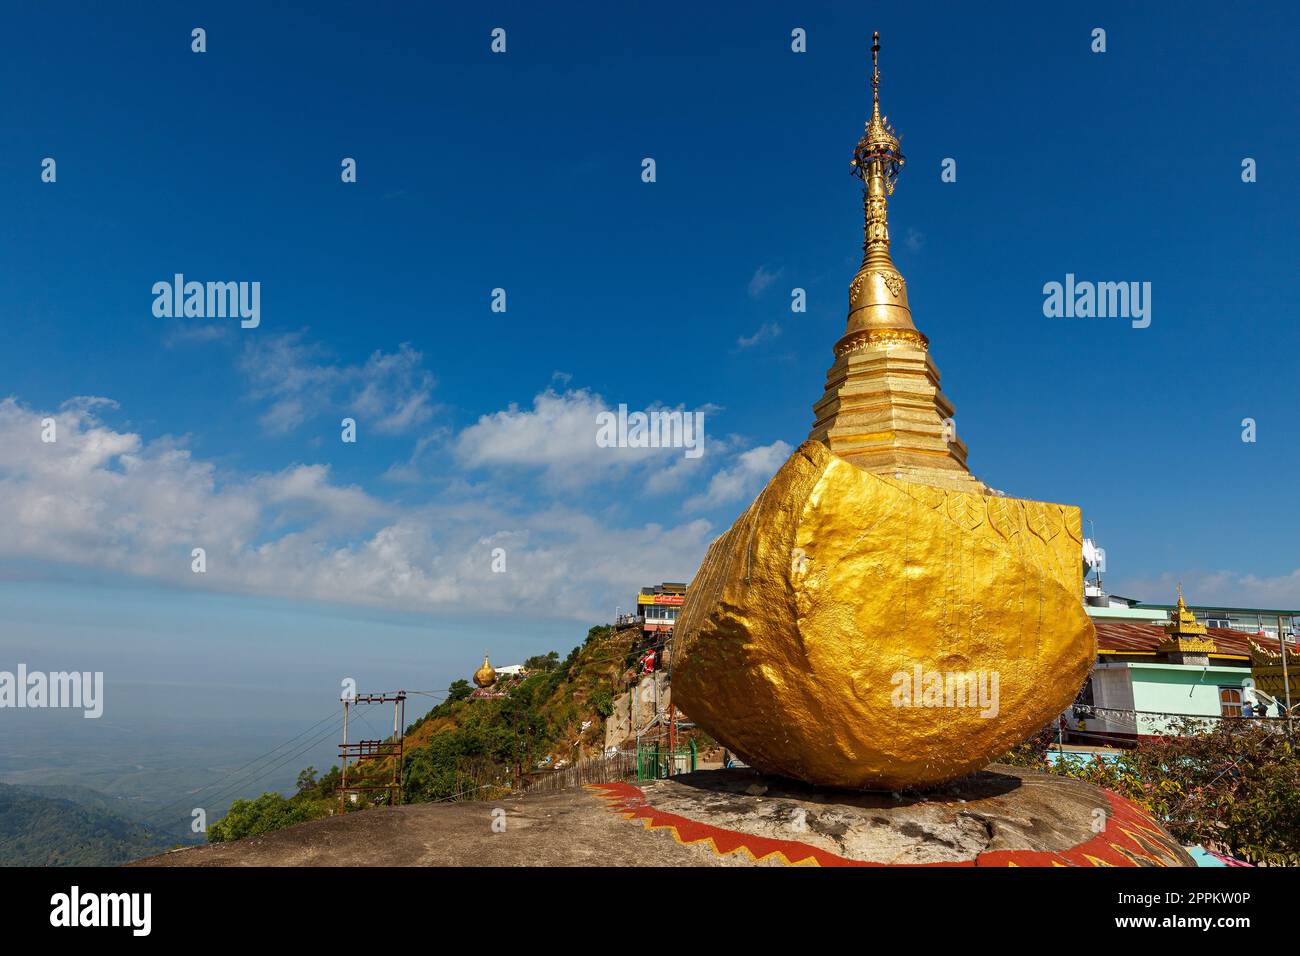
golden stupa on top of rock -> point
(878, 618)
(486, 675)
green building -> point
(1157, 664)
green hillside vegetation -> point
(39, 829)
(467, 749)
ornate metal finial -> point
(875, 73)
(878, 309)
(879, 143)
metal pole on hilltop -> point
(344, 788)
(1286, 680)
(672, 710)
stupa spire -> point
(875, 74)
(878, 294)
(882, 409)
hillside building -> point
(658, 606)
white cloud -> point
(97, 496)
(558, 436)
(1229, 588)
(762, 278)
(744, 479)
(681, 469)
(413, 469)
(389, 393)
(767, 331)
(111, 500)
(305, 492)
(393, 390)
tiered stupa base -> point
(883, 412)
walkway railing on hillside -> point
(655, 762)
(619, 766)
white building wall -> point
(1112, 687)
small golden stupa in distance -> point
(879, 618)
(485, 676)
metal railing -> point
(656, 762)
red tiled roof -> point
(1136, 637)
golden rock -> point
(878, 618)
(833, 633)
(485, 676)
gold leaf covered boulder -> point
(859, 631)
(486, 675)
(878, 618)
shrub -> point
(270, 811)
(1235, 787)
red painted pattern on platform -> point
(1131, 838)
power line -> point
(331, 731)
(227, 776)
(262, 772)
(227, 785)
(278, 756)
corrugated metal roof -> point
(1135, 637)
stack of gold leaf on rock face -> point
(878, 618)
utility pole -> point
(1286, 680)
(654, 677)
(672, 710)
(672, 739)
(344, 782)
(364, 750)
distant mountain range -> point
(72, 826)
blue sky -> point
(523, 171)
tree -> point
(458, 690)
(270, 811)
(542, 662)
(328, 785)
(307, 779)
